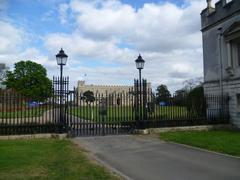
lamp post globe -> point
(140, 65)
(61, 58)
(139, 62)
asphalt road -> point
(145, 158)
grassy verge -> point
(127, 113)
(46, 159)
(24, 113)
(224, 141)
(114, 114)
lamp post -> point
(61, 58)
(140, 65)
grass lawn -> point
(46, 159)
(114, 114)
(224, 141)
(126, 113)
(29, 112)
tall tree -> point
(88, 96)
(163, 94)
(196, 101)
(181, 93)
(30, 79)
(192, 83)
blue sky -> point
(40, 17)
(103, 38)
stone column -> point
(229, 55)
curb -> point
(34, 136)
(181, 128)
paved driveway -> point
(139, 157)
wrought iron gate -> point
(85, 113)
(100, 114)
(138, 108)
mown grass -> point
(47, 159)
(224, 141)
(113, 113)
(28, 112)
(127, 113)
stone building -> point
(116, 94)
(221, 52)
(102, 89)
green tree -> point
(88, 96)
(196, 101)
(163, 94)
(190, 84)
(30, 79)
(180, 97)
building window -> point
(235, 53)
(238, 102)
(238, 53)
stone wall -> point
(219, 64)
(214, 63)
(223, 9)
(114, 94)
(232, 88)
(102, 89)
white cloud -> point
(13, 46)
(10, 38)
(154, 27)
(103, 19)
(167, 36)
(63, 8)
(78, 46)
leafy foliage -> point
(163, 94)
(179, 97)
(30, 79)
(196, 102)
(190, 84)
(88, 96)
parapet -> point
(83, 84)
(223, 9)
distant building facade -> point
(111, 92)
(102, 89)
(221, 52)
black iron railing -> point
(106, 113)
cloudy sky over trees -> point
(104, 37)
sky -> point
(104, 37)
